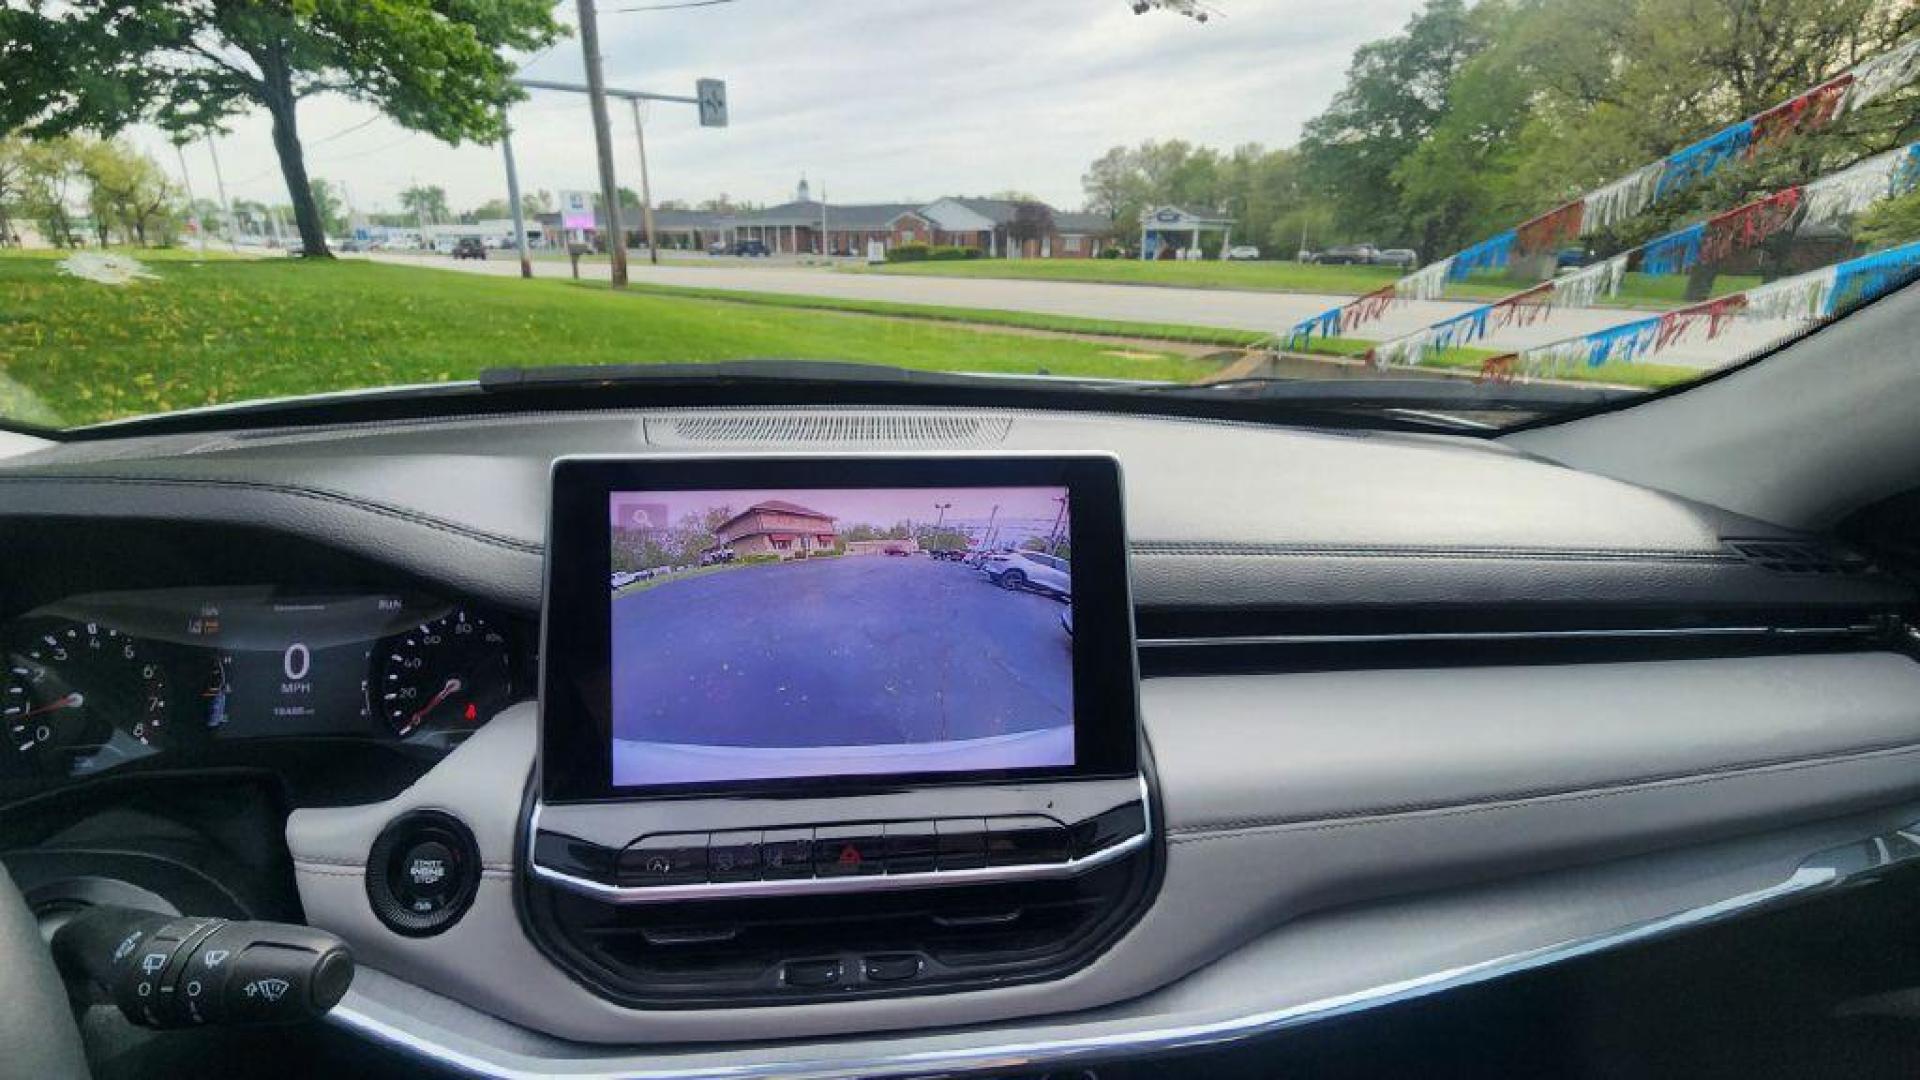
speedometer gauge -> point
(79, 697)
(450, 674)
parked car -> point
(1400, 258)
(753, 249)
(469, 247)
(1243, 252)
(1030, 570)
(950, 555)
(1347, 255)
(716, 557)
(1571, 258)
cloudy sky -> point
(874, 100)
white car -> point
(1243, 252)
(1030, 570)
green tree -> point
(188, 65)
(1896, 221)
(49, 169)
(1397, 90)
(426, 200)
(13, 183)
(329, 204)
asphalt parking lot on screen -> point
(833, 652)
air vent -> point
(1802, 557)
(835, 428)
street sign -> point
(713, 102)
(576, 210)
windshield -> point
(209, 204)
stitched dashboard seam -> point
(316, 494)
(1224, 829)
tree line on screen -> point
(1478, 116)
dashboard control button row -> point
(749, 856)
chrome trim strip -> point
(712, 890)
(828, 1061)
(1500, 635)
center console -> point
(819, 728)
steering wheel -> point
(38, 1037)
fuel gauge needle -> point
(452, 688)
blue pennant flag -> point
(1868, 276)
(1696, 162)
(1490, 254)
(1674, 253)
(1461, 329)
(1326, 324)
(1624, 342)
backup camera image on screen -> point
(782, 634)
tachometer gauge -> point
(451, 673)
(80, 697)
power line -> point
(670, 7)
(343, 132)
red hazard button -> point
(848, 850)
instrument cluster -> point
(96, 681)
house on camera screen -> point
(777, 527)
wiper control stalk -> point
(177, 972)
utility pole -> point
(646, 186)
(826, 249)
(420, 214)
(513, 196)
(186, 181)
(603, 140)
(1053, 535)
(226, 211)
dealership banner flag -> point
(1632, 194)
(1800, 301)
(1832, 200)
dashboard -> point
(1413, 711)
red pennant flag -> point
(1365, 309)
(1810, 110)
(1747, 226)
(1551, 229)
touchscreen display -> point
(792, 633)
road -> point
(1230, 308)
(785, 660)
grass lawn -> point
(1470, 358)
(227, 330)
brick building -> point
(777, 527)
